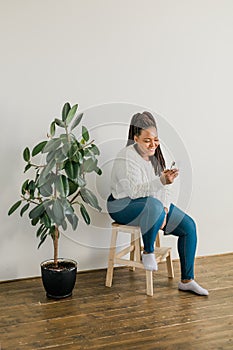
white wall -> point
(171, 57)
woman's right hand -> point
(168, 176)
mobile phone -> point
(172, 165)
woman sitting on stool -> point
(140, 196)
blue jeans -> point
(149, 214)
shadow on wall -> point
(108, 125)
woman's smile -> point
(147, 142)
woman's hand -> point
(168, 176)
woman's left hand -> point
(169, 175)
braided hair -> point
(142, 121)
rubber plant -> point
(59, 186)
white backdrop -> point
(115, 58)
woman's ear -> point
(135, 138)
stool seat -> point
(134, 251)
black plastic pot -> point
(59, 282)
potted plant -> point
(57, 187)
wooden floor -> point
(122, 317)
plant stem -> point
(87, 144)
(56, 233)
(37, 166)
(55, 245)
(77, 202)
(32, 201)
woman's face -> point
(147, 142)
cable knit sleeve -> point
(134, 177)
(139, 183)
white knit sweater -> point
(134, 177)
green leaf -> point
(59, 123)
(50, 156)
(24, 187)
(65, 111)
(46, 190)
(85, 214)
(78, 157)
(81, 153)
(38, 148)
(59, 155)
(65, 149)
(45, 219)
(47, 169)
(48, 203)
(64, 138)
(50, 214)
(37, 211)
(95, 150)
(40, 230)
(90, 198)
(27, 167)
(52, 128)
(67, 206)
(26, 154)
(31, 185)
(43, 179)
(73, 150)
(73, 220)
(14, 207)
(71, 114)
(88, 153)
(34, 221)
(80, 181)
(64, 225)
(43, 237)
(62, 185)
(72, 187)
(52, 145)
(52, 232)
(25, 207)
(76, 121)
(89, 165)
(31, 188)
(57, 210)
(85, 133)
(37, 175)
(71, 169)
(98, 171)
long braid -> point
(133, 128)
(142, 121)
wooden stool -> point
(134, 249)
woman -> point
(140, 196)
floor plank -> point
(122, 317)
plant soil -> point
(62, 265)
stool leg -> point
(132, 253)
(157, 241)
(138, 246)
(149, 283)
(111, 258)
(135, 255)
(170, 270)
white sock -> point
(192, 287)
(149, 261)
